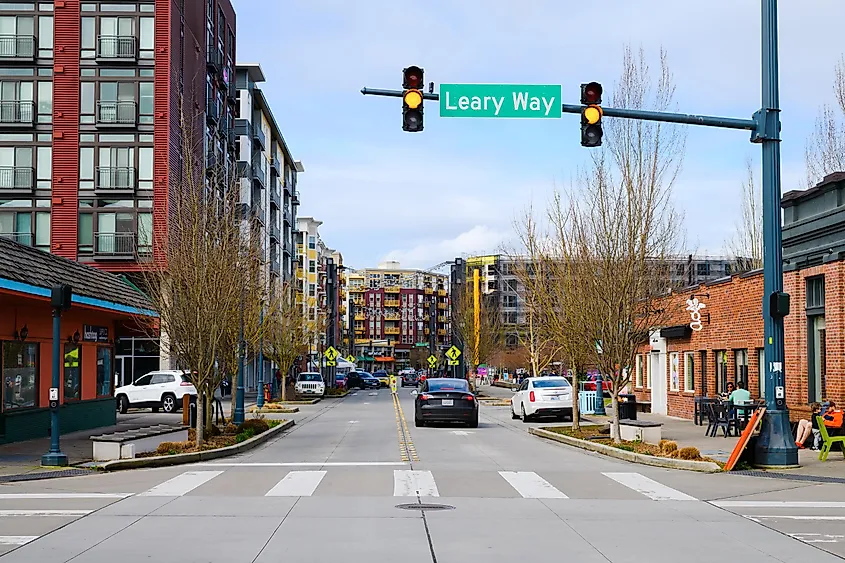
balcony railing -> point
(258, 135)
(17, 112)
(117, 48)
(20, 47)
(114, 245)
(275, 232)
(114, 112)
(275, 266)
(391, 303)
(441, 293)
(276, 197)
(115, 178)
(258, 170)
(276, 165)
(20, 238)
(16, 178)
(392, 289)
(212, 110)
(214, 60)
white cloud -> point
(481, 239)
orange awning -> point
(384, 358)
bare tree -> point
(482, 339)
(286, 336)
(825, 149)
(746, 246)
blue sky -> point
(457, 187)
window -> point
(147, 37)
(145, 233)
(20, 374)
(741, 362)
(312, 266)
(116, 103)
(45, 101)
(689, 372)
(17, 36)
(510, 300)
(86, 232)
(16, 168)
(721, 371)
(815, 293)
(16, 101)
(761, 371)
(145, 102)
(42, 230)
(45, 37)
(312, 242)
(674, 371)
(703, 370)
(312, 289)
(72, 372)
(702, 269)
(638, 381)
(17, 226)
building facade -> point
(394, 310)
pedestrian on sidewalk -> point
(805, 427)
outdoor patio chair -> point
(722, 419)
(828, 440)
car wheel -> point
(168, 403)
(525, 416)
(513, 414)
(473, 423)
(123, 404)
(418, 422)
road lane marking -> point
(530, 485)
(62, 496)
(7, 513)
(791, 517)
(648, 487)
(16, 540)
(181, 484)
(297, 484)
(775, 504)
(306, 464)
(408, 483)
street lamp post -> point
(60, 300)
(238, 415)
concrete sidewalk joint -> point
(610, 451)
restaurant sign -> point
(92, 333)
(694, 306)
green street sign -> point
(421, 345)
(500, 100)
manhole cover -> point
(424, 506)
(45, 475)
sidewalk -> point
(20, 458)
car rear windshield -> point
(310, 377)
(447, 385)
(545, 383)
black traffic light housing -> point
(412, 99)
(591, 129)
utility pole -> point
(238, 415)
(60, 300)
(331, 336)
(476, 315)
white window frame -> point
(689, 378)
(638, 381)
(674, 371)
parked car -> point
(340, 380)
(158, 389)
(542, 396)
(445, 399)
(310, 383)
(383, 377)
(590, 383)
(362, 380)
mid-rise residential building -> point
(393, 310)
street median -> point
(194, 457)
(633, 457)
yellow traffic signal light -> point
(591, 130)
(412, 99)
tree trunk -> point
(284, 386)
(576, 413)
(233, 389)
(200, 421)
(209, 410)
(614, 425)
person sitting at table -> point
(725, 394)
(834, 419)
(739, 396)
(802, 431)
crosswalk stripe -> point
(776, 504)
(648, 487)
(530, 485)
(62, 496)
(6, 513)
(297, 484)
(16, 540)
(407, 483)
(181, 484)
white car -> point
(158, 389)
(542, 396)
(310, 383)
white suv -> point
(158, 389)
(310, 383)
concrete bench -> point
(124, 445)
(640, 430)
(644, 406)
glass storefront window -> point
(73, 372)
(20, 375)
(104, 372)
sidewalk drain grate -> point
(44, 475)
(424, 506)
(790, 477)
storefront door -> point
(657, 373)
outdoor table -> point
(743, 412)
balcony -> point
(276, 165)
(392, 317)
(359, 289)
(392, 289)
(441, 332)
(113, 113)
(258, 172)
(116, 48)
(359, 331)
(442, 306)
(212, 111)
(120, 246)
(392, 330)
(391, 302)
(287, 216)
(17, 47)
(258, 135)
(441, 293)
(359, 316)
(275, 266)
(16, 179)
(275, 232)
(429, 291)
(214, 61)
(257, 212)
(20, 238)
(114, 179)
(275, 197)
(17, 113)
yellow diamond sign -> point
(453, 353)
(331, 354)
(351, 359)
(432, 361)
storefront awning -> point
(365, 359)
(384, 358)
(679, 331)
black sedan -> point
(362, 380)
(445, 400)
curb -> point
(302, 402)
(336, 396)
(193, 457)
(289, 410)
(610, 451)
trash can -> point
(627, 407)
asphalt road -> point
(328, 490)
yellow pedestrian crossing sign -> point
(331, 354)
(453, 353)
(432, 361)
(351, 359)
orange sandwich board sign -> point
(751, 428)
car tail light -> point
(185, 384)
(425, 397)
(469, 398)
(531, 396)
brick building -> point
(678, 363)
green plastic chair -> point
(828, 440)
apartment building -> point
(92, 98)
(393, 310)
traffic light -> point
(591, 131)
(412, 99)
